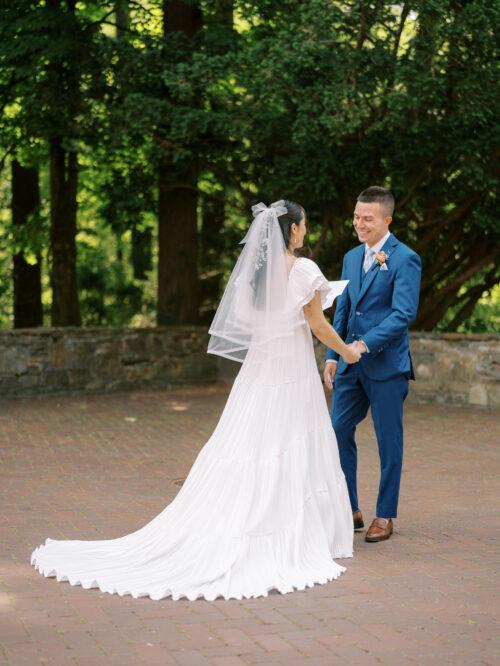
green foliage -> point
(485, 317)
(312, 101)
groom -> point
(375, 311)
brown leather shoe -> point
(358, 520)
(379, 530)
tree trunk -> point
(140, 254)
(141, 241)
(122, 17)
(219, 27)
(27, 277)
(177, 259)
(178, 287)
(65, 309)
(212, 242)
(225, 12)
(211, 249)
(63, 188)
(180, 16)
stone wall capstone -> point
(451, 368)
(43, 361)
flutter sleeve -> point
(305, 279)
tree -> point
(26, 274)
(48, 57)
(177, 185)
(346, 95)
(196, 113)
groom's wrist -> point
(330, 360)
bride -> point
(265, 505)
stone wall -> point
(88, 360)
(452, 368)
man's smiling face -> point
(371, 222)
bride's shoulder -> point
(306, 265)
(306, 278)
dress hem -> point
(47, 572)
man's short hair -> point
(384, 197)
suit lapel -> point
(387, 246)
(358, 262)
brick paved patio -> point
(102, 466)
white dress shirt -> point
(370, 253)
(369, 259)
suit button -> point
(358, 314)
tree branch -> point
(467, 274)
(8, 152)
(326, 224)
(392, 76)
(453, 216)
(445, 259)
(421, 176)
(471, 297)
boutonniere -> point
(382, 257)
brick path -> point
(101, 466)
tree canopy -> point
(136, 135)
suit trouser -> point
(354, 394)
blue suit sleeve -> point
(341, 317)
(404, 307)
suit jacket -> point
(379, 309)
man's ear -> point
(388, 220)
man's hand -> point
(361, 347)
(329, 375)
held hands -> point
(358, 347)
(361, 346)
(353, 352)
(352, 355)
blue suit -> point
(377, 307)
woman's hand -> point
(327, 334)
(351, 354)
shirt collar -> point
(378, 245)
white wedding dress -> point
(265, 505)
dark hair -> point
(295, 212)
(379, 194)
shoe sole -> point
(359, 529)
